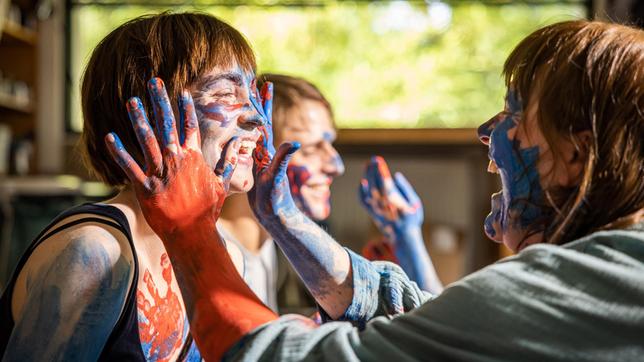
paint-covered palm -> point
(175, 187)
(397, 210)
(263, 103)
(391, 202)
(271, 191)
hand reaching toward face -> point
(175, 187)
(271, 192)
(392, 203)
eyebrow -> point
(231, 76)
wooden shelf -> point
(9, 102)
(16, 34)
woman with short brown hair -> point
(98, 283)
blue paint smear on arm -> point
(72, 306)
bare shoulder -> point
(71, 293)
(80, 254)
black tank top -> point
(123, 343)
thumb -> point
(283, 156)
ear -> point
(577, 155)
(581, 142)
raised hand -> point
(175, 187)
(397, 211)
(320, 261)
(271, 191)
(392, 203)
(263, 102)
(181, 198)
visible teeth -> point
(248, 145)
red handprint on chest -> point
(162, 322)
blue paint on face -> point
(519, 206)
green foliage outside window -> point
(384, 64)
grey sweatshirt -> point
(580, 302)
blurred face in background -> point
(313, 168)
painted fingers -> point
(266, 95)
(265, 148)
(164, 117)
(162, 144)
(124, 159)
(283, 156)
(226, 165)
(414, 204)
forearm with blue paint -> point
(320, 261)
(415, 261)
(397, 210)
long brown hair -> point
(592, 79)
(179, 48)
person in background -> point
(98, 282)
(300, 114)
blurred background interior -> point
(409, 80)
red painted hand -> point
(175, 188)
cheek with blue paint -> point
(225, 104)
(518, 206)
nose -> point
(333, 165)
(251, 118)
(485, 130)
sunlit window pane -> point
(381, 64)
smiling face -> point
(520, 155)
(527, 164)
(313, 168)
(226, 104)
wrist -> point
(410, 235)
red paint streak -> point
(162, 327)
(266, 95)
(380, 249)
(382, 167)
(234, 107)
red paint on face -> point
(234, 107)
(161, 318)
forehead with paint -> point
(227, 105)
(313, 168)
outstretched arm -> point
(181, 198)
(320, 261)
(397, 210)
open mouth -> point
(245, 156)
